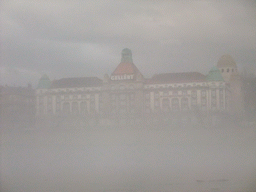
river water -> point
(129, 159)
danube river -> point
(129, 159)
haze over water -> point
(129, 159)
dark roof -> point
(184, 77)
(76, 82)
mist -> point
(128, 96)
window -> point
(213, 93)
(66, 97)
(203, 93)
(184, 104)
(83, 107)
(122, 103)
(122, 87)
(222, 70)
(75, 108)
(193, 93)
(66, 108)
(147, 110)
(58, 107)
(175, 104)
(166, 105)
(228, 70)
(147, 95)
(193, 102)
(58, 99)
(122, 97)
(41, 100)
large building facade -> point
(126, 93)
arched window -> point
(228, 70)
(83, 107)
(166, 105)
(184, 104)
(175, 104)
(66, 108)
(75, 108)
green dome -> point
(214, 75)
(126, 56)
(44, 82)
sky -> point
(76, 38)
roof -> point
(184, 77)
(226, 61)
(76, 82)
(214, 75)
(125, 68)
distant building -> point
(17, 105)
(127, 93)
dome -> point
(214, 75)
(126, 56)
(226, 61)
(44, 82)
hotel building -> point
(127, 93)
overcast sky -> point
(85, 38)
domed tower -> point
(126, 70)
(227, 67)
(229, 71)
(44, 82)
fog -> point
(175, 111)
(127, 158)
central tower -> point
(126, 56)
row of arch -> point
(175, 104)
(72, 108)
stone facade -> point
(126, 93)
